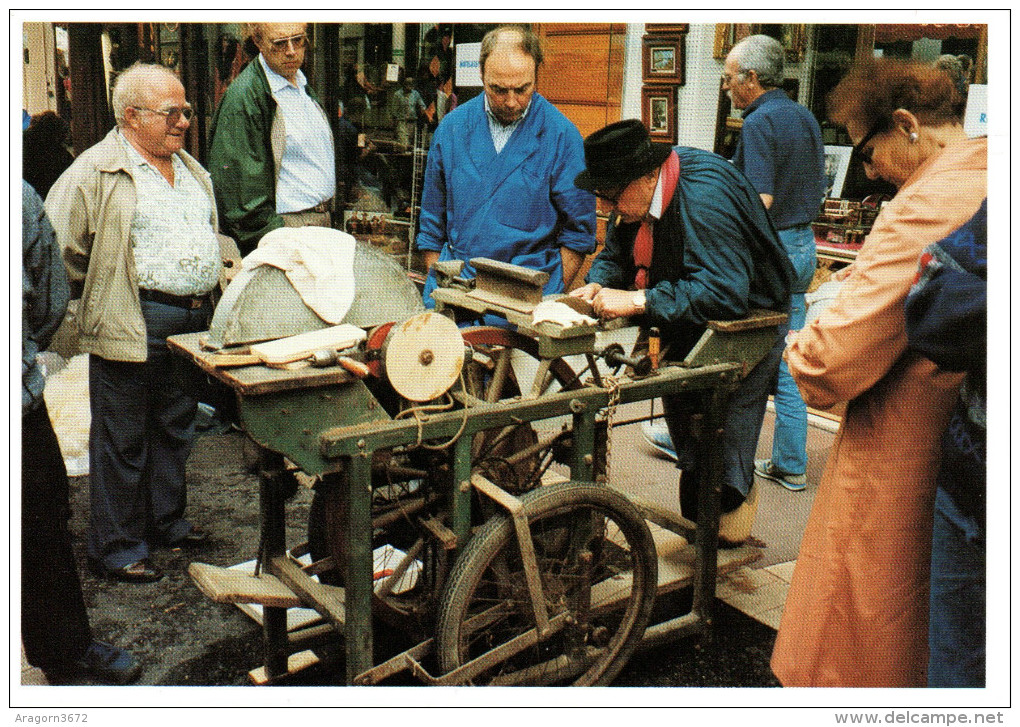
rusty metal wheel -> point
(516, 457)
(598, 572)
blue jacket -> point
(715, 253)
(946, 320)
(519, 206)
(44, 293)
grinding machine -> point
(476, 461)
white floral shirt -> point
(175, 246)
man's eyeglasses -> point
(867, 154)
(279, 45)
(173, 114)
(611, 196)
(728, 79)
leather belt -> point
(324, 206)
(180, 301)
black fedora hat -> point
(618, 154)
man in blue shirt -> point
(271, 157)
(781, 153)
(499, 182)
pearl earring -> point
(913, 137)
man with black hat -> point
(688, 241)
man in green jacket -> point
(272, 158)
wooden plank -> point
(254, 380)
(295, 663)
(756, 318)
(676, 568)
(223, 585)
(303, 345)
(327, 600)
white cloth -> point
(307, 170)
(553, 311)
(319, 263)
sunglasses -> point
(867, 154)
(279, 45)
(173, 114)
(610, 196)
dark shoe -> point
(194, 538)
(141, 571)
(101, 662)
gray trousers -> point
(142, 429)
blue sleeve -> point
(44, 292)
(758, 154)
(432, 220)
(43, 266)
(575, 206)
(946, 315)
(946, 309)
(717, 268)
(606, 269)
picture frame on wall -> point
(676, 28)
(658, 113)
(837, 162)
(662, 59)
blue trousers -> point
(142, 429)
(956, 624)
(743, 419)
(789, 442)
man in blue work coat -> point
(499, 182)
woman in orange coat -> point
(857, 611)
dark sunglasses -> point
(867, 154)
(611, 196)
(173, 115)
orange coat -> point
(857, 611)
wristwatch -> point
(638, 299)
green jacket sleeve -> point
(242, 169)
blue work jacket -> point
(519, 206)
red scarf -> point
(643, 240)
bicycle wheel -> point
(598, 572)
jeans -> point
(789, 443)
(956, 625)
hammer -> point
(326, 357)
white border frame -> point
(842, 157)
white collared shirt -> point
(307, 171)
(501, 134)
(175, 246)
(655, 208)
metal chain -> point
(613, 385)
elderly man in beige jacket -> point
(136, 220)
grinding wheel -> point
(423, 356)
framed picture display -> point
(837, 162)
(676, 28)
(662, 59)
(658, 112)
(792, 37)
